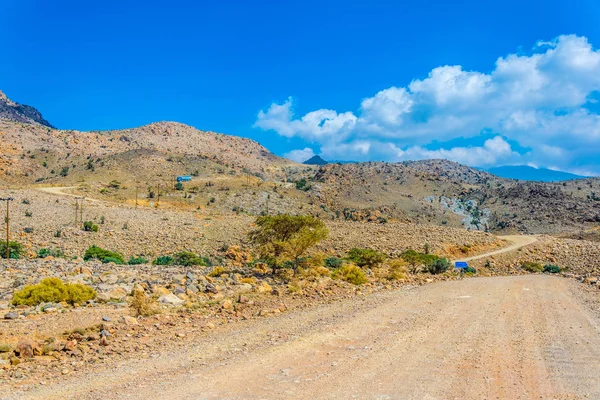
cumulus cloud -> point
(300, 155)
(538, 100)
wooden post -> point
(7, 220)
(157, 195)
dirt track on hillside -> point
(519, 337)
(518, 241)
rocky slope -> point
(237, 175)
(11, 111)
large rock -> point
(170, 299)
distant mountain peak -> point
(527, 173)
(20, 112)
(315, 160)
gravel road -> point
(519, 337)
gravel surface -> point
(521, 337)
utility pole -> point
(79, 210)
(268, 197)
(7, 220)
(136, 197)
(157, 194)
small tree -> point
(366, 257)
(287, 237)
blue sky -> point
(512, 82)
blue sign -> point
(460, 264)
(184, 178)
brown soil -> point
(518, 337)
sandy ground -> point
(518, 337)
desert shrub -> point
(302, 184)
(418, 260)
(531, 266)
(28, 213)
(53, 290)
(217, 271)
(15, 251)
(351, 274)
(28, 229)
(137, 261)
(44, 252)
(333, 262)
(89, 226)
(470, 270)
(163, 260)
(397, 270)
(98, 253)
(366, 257)
(5, 348)
(179, 186)
(553, 269)
(143, 305)
(187, 259)
(438, 266)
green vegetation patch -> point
(103, 255)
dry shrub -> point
(143, 305)
(397, 270)
(350, 273)
(249, 280)
(53, 290)
(316, 260)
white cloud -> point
(536, 100)
(300, 155)
(493, 150)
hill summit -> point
(20, 112)
(315, 160)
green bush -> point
(438, 266)
(16, 250)
(163, 260)
(333, 262)
(351, 274)
(366, 257)
(55, 291)
(98, 253)
(418, 260)
(89, 226)
(470, 270)
(137, 261)
(531, 266)
(187, 259)
(553, 269)
(44, 252)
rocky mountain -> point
(527, 173)
(11, 111)
(236, 175)
(315, 160)
(447, 193)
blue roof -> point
(461, 264)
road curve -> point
(517, 240)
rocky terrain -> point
(232, 175)
(37, 218)
(12, 111)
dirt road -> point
(517, 240)
(520, 337)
